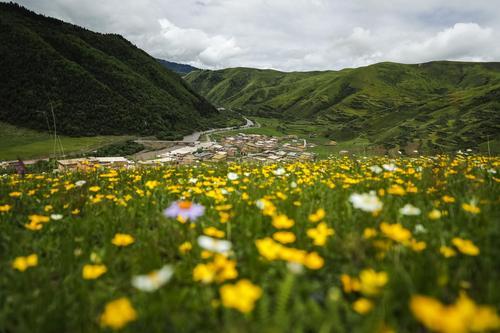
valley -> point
(432, 107)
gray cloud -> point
(293, 35)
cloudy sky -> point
(293, 34)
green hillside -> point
(436, 106)
(96, 84)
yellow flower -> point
(267, 207)
(434, 214)
(417, 246)
(396, 190)
(219, 270)
(92, 272)
(461, 317)
(94, 189)
(471, 208)
(350, 284)
(447, 252)
(240, 296)
(313, 261)
(320, 234)
(151, 184)
(15, 194)
(362, 305)
(317, 216)
(372, 281)
(214, 232)
(23, 263)
(36, 222)
(465, 246)
(282, 222)
(118, 313)
(268, 248)
(284, 237)
(122, 240)
(369, 233)
(448, 199)
(185, 247)
(5, 208)
(396, 232)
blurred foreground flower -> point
(23, 263)
(92, 272)
(122, 240)
(214, 245)
(184, 210)
(154, 280)
(118, 313)
(368, 202)
(409, 210)
(362, 305)
(465, 246)
(462, 317)
(240, 296)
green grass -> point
(53, 295)
(16, 142)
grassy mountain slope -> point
(180, 69)
(95, 83)
(434, 106)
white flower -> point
(56, 217)
(492, 171)
(409, 210)
(260, 204)
(293, 184)
(154, 280)
(368, 202)
(247, 174)
(279, 172)
(295, 268)
(232, 176)
(389, 167)
(420, 229)
(214, 245)
(193, 180)
(80, 183)
(375, 169)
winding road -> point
(196, 135)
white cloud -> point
(293, 35)
(194, 45)
(463, 41)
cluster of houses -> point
(241, 147)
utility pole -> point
(488, 143)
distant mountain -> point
(437, 106)
(95, 83)
(180, 69)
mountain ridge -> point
(181, 69)
(95, 83)
(442, 105)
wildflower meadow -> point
(338, 245)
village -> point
(239, 148)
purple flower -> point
(184, 210)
